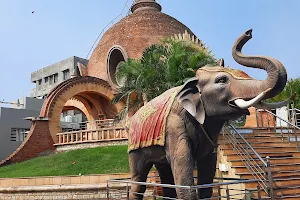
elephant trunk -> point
(277, 76)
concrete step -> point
(264, 155)
(290, 190)
(266, 144)
(275, 174)
(273, 161)
(274, 168)
(255, 139)
(229, 150)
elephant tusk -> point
(268, 106)
(241, 103)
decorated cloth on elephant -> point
(148, 124)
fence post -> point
(275, 123)
(127, 192)
(107, 190)
(296, 138)
(219, 192)
(256, 115)
(227, 193)
(270, 179)
(258, 192)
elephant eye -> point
(222, 79)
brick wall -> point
(133, 33)
(264, 119)
(37, 141)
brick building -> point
(94, 87)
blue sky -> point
(59, 29)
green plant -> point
(161, 67)
(293, 85)
(101, 160)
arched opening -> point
(71, 119)
(86, 111)
(93, 95)
(116, 56)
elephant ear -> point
(190, 98)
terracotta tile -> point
(94, 179)
(49, 181)
(75, 180)
(16, 182)
(2, 183)
(104, 178)
(9, 182)
(84, 179)
(66, 180)
(40, 181)
(24, 182)
(56, 180)
(31, 181)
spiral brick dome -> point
(130, 36)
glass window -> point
(55, 78)
(18, 134)
(50, 80)
(66, 74)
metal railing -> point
(88, 125)
(284, 127)
(94, 135)
(222, 189)
(294, 116)
(256, 165)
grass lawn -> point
(102, 160)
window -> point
(18, 134)
(46, 79)
(55, 78)
(66, 74)
(40, 82)
(50, 80)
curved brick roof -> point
(134, 33)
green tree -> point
(293, 85)
(161, 67)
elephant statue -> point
(179, 129)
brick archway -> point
(74, 103)
(74, 87)
(42, 135)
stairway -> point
(284, 159)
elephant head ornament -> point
(184, 123)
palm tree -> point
(292, 86)
(161, 67)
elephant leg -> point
(166, 177)
(139, 169)
(206, 172)
(182, 168)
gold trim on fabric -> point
(237, 74)
(161, 140)
(148, 111)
